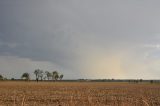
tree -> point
(40, 74)
(25, 76)
(12, 78)
(1, 77)
(36, 72)
(61, 76)
(141, 80)
(151, 81)
(48, 74)
(5, 78)
(45, 77)
(55, 75)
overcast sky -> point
(81, 38)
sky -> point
(99, 39)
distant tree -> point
(48, 74)
(5, 78)
(12, 78)
(1, 77)
(36, 72)
(136, 81)
(45, 77)
(61, 76)
(151, 81)
(55, 75)
(141, 80)
(40, 75)
(25, 76)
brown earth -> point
(78, 94)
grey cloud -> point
(62, 32)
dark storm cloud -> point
(64, 32)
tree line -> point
(41, 75)
(48, 75)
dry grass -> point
(78, 94)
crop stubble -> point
(78, 93)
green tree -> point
(151, 81)
(61, 76)
(36, 72)
(55, 75)
(12, 78)
(1, 77)
(48, 74)
(40, 74)
(25, 76)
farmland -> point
(19, 93)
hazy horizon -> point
(94, 39)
